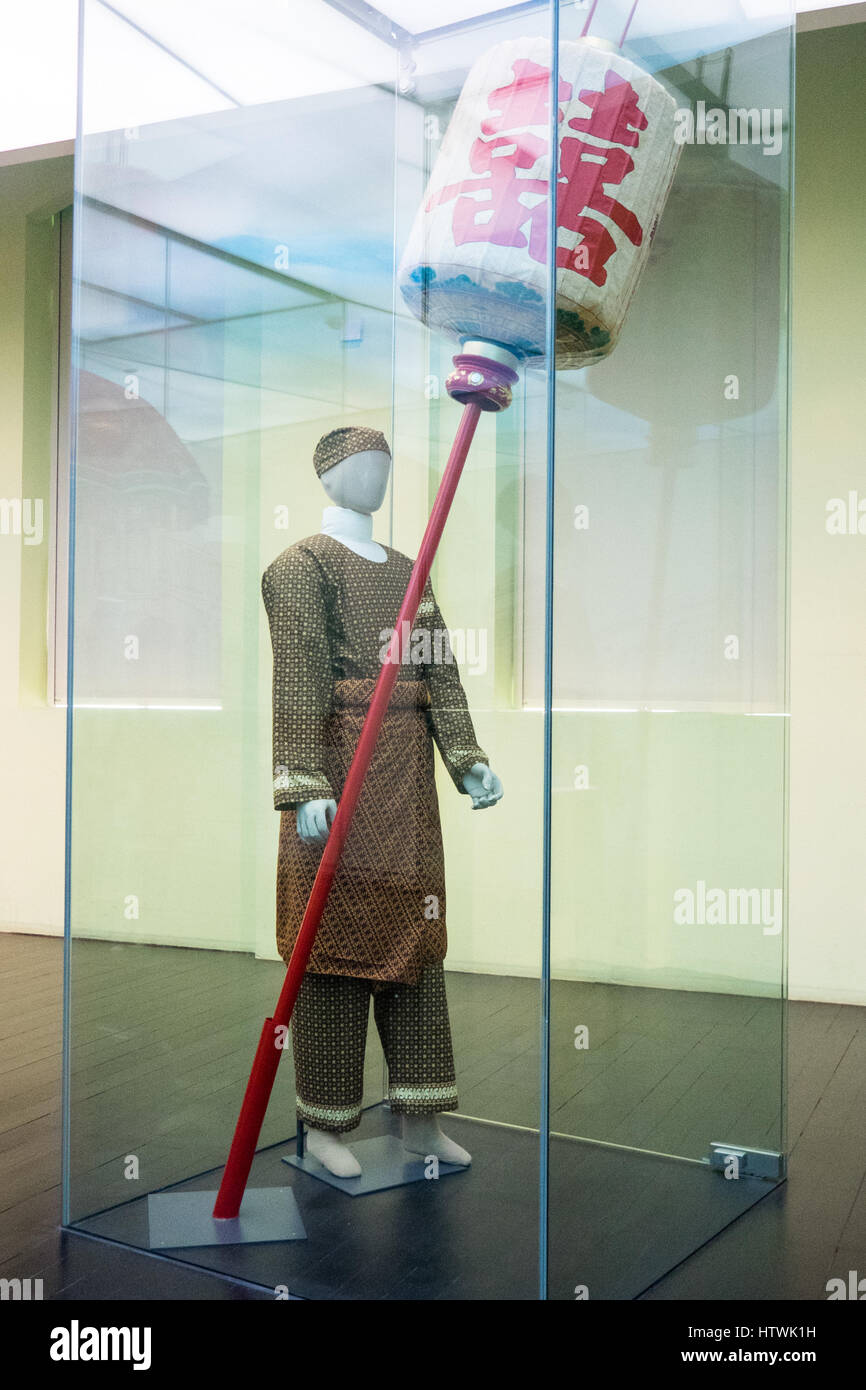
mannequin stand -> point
(384, 1160)
(384, 1163)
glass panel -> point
(212, 353)
(669, 661)
(240, 297)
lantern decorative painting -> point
(476, 263)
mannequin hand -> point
(483, 786)
(314, 821)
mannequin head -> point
(353, 464)
(359, 481)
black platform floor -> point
(622, 1220)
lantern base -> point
(494, 352)
(483, 375)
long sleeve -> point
(450, 720)
(292, 589)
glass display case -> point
(284, 226)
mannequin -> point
(385, 934)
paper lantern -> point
(476, 263)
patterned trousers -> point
(329, 1035)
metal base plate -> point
(384, 1163)
(181, 1220)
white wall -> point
(32, 735)
(828, 600)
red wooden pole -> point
(491, 391)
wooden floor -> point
(163, 1040)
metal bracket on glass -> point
(750, 1163)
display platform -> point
(623, 1221)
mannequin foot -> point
(333, 1153)
(422, 1135)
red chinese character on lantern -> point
(586, 168)
(499, 216)
(526, 100)
(616, 115)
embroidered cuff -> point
(336, 1118)
(462, 760)
(422, 1100)
(293, 788)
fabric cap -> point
(341, 444)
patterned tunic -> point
(331, 615)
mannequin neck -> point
(343, 521)
(354, 530)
